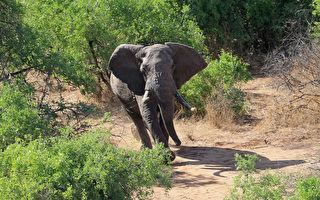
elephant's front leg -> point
(150, 117)
(139, 124)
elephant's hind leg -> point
(145, 139)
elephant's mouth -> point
(147, 96)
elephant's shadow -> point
(222, 159)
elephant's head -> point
(159, 70)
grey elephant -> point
(146, 80)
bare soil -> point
(204, 167)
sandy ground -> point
(204, 167)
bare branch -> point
(297, 63)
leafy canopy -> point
(87, 32)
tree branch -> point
(21, 71)
(103, 78)
(14, 73)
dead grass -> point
(220, 114)
(284, 113)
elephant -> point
(146, 80)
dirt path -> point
(204, 167)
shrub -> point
(79, 168)
(218, 81)
(246, 164)
(249, 187)
(19, 117)
(308, 188)
(316, 13)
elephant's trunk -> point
(161, 87)
(166, 106)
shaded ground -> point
(204, 167)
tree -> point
(23, 48)
(87, 32)
(246, 25)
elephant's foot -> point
(178, 143)
(172, 155)
(170, 158)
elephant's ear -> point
(124, 65)
(187, 62)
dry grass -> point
(220, 114)
(284, 113)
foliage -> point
(247, 164)
(19, 117)
(88, 31)
(246, 25)
(308, 188)
(71, 42)
(249, 187)
(79, 168)
(24, 48)
(316, 12)
(217, 80)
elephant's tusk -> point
(193, 109)
(146, 97)
(184, 103)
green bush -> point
(19, 117)
(316, 12)
(83, 167)
(308, 189)
(218, 80)
(246, 164)
(247, 186)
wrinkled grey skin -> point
(160, 70)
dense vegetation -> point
(86, 33)
(247, 26)
(79, 168)
(70, 42)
